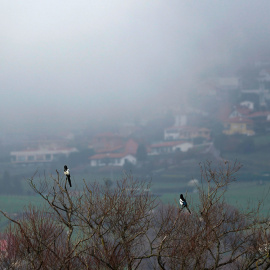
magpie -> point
(183, 202)
(67, 174)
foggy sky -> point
(72, 62)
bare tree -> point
(216, 235)
(115, 223)
(125, 227)
(99, 227)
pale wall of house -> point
(162, 150)
(238, 128)
(39, 156)
(114, 161)
(184, 147)
(171, 135)
(186, 135)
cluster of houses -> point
(245, 121)
(249, 116)
(115, 150)
(244, 101)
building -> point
(107, 142)
(112, 159)
(186, 133)
(169, 147)
(238, 125)
(228, 83)
(116, 156)
(40, 155)
(240, 111)
(247, 104)
(261, 121)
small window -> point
(21, 158)
(31, 158)
(40, 157)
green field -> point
(14, 204)
(253, 183)
(240, 194)
(168, 188)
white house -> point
(248, 104)
(185, 133)
(228, 83)
(40, 154)
(112, 159)
(169, 147)
(183, 147)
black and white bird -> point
(183, 202)
(67, 174)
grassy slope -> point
(14, 204)
(239, 194)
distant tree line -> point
(125, 227)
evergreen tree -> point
(141, 153)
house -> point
(112, 159)
(260, 115)
(228, 83)
(261, 121)
(169, 147)
(186, 133)
(116, 156)
(260, 96)
(107, 142)
(238, 125)
(240, 111)
(40, 154)
(248, 104)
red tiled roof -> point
(239, 120)
(243, 110)
(130, 148)
(258, 114)
(108, 149)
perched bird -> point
(67, 174)
(183, 202)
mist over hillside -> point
(76, 65)
(76, 73)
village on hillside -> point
(217, 109)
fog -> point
(71, 64)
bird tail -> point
(69, 181)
